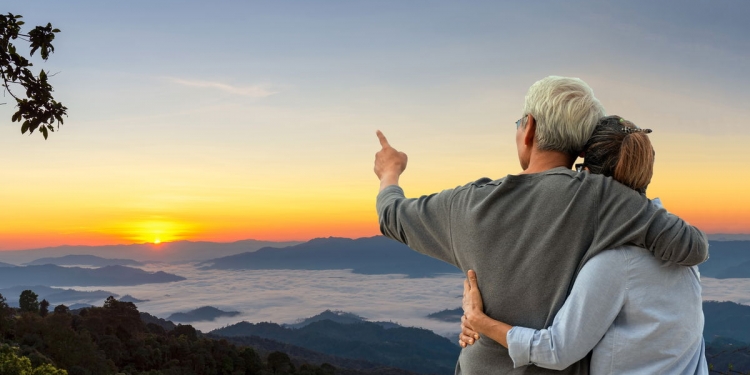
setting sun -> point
(157, 241)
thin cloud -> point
(256, 91)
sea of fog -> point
(285, 296)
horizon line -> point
(178, 241)
(710, 235)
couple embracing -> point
(569, 271)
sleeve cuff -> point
(519, 345)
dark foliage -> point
(62, 309)
(727, 356)
(28, 301)
(113, 339)
(43, 308)
(300, 355)
(37, 109)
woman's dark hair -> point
(620, 150)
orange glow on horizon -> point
(229, 205)
(716, 220)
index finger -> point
(383, 142)
(472, 277)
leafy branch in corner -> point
(37, 109)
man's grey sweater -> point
(527, 236)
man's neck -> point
(541, 161)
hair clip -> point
(635, 130)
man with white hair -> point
(528, 234)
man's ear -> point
(530, 131)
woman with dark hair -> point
(634, 313)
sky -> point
(229, 120)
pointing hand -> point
(389, 162)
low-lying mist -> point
(285, 296)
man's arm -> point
(423, 223)
(626, 217)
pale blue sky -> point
(197, 101)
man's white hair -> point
(566, 112)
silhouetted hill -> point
(205, 313)
(129, 298)
(178, 251)
(334, 316)
(77, 307)
(413, 349)
(727, 320)
(374, 255)
(727, 259)
(147, 318)
(84, 260)
(7, 265)
(49, 275)
(450, 316)
(338, 317)
(55, 296)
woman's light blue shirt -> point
(640, 315)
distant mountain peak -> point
(367, 255)
(204, 313)
(339, 317)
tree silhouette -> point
(280, 363)
(28, 301)
(37, 109)
(43, 308)
(62, 309)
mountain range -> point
(727, 259)
(340, 317)
(84, 260)
(178, 251)
(727, 320)
(372, 255)
(413, 349)
(201, 314)
(51, 275)
(55, 296)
